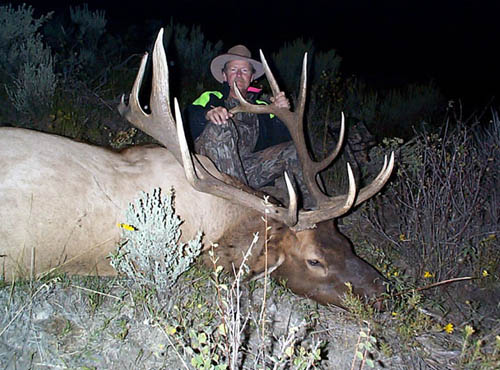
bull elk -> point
(61, 200)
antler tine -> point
(160, 102)
(339, 205)
(133, 112)
(374, 187)
(301, 102)
(292, 197)
(270, 77)
(321, 165)
(245, 106)
(160, 124)
(187, 161)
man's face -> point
(240, 71)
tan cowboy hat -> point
(238, 52)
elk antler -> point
(200, 171)
(326, 207)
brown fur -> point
(60, 202)
(325, 282)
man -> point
(256, 149)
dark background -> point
(388, 43)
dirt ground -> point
(64, 323)
(57, 327)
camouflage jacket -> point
(271, 130)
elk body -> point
(60, 201)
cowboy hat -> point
(238, 52)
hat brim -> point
(218, 64)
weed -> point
(365, 348)
(362, 311)
(123, 329)
(445, 193)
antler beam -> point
(199, 170)
(202, 173)
(326, 207)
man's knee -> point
(214, 137)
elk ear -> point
(274, 260)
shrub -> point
(17, 27)
(191, 57)
(30, 80)
(91, 75)
(400, 111)
(85, 50)
(288, 65)
(446, 195)
(150, 252)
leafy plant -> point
(364, 348)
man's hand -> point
(218, 115)
(280, 100)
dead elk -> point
(61, 200)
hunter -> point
(254, 148)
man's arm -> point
(196, 113)
(218, 115)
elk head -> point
(305, 248)
(317, 263)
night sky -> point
(388, 43)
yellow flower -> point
(448, 328)
(127, 227)
(171, 330)
(396, 273)
(486, 273)
(394, 314)
(402, 237)
(428, 275)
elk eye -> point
(314, 263)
